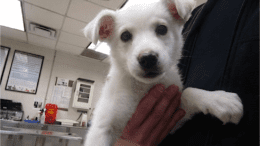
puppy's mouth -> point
(151, 74)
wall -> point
(72, 67)
(27, 99)
(65, 66)
(199, 2)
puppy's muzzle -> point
(149, 64)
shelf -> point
(84, 97)
(85, 87)
(83, 92)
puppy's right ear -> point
(101, 27)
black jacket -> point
(221, 52)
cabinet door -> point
(83, 95)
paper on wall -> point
(61, 96)
(62, 82)
(67, 92)
(57, 92)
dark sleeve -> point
(235, 55)
(242, 76)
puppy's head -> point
(145, 39)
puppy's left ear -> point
(180, 9)
(101, 27)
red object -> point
(47, 132)
(50, 113)
(83, 124)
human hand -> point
(155, 116)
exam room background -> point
(65, 65)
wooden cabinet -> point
(83, 94)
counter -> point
(31, 134)
(22, 131)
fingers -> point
(150, 110)
(153, 93)
(147, 103)
(159, 110)
(164, 127)
(178, 115)
(144, 107)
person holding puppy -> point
(220, 53)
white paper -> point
(61, 96)
(62, 82)
(67, 92)
(56, 95)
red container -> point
(50, 113)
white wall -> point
(27, 99)
(65, 66)
(72, 67)
(199, 2)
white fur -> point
(125, 87)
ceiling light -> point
(92, 46)
(11, 14)
(101, 47)
(133, 2)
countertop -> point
(10, 127)
(22, 122)
(22, 131)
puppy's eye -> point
(161, 30)
(126, 36)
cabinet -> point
(83, 93)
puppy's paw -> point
(224, 105)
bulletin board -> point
(25, 72)
(4, 53)
(61, 94)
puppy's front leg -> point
(226, 106)
(99, 132)
(110, 117)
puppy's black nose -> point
(148, 60)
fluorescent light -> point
(11, 14)
(100, 47)
(132, 2)
(92, 46)
(103, 48)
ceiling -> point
(67, 17)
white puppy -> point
(146, 44)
